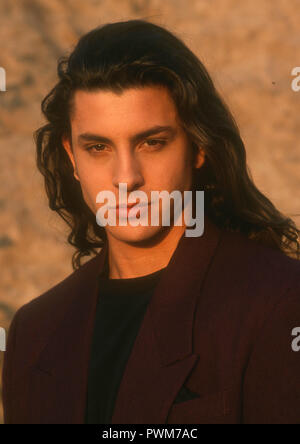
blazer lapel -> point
(59, 379)
(162, 355)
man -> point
(159, 327)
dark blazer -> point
(214, 345)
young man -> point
(159, 326)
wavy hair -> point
(138, 53)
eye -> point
(99, 147)
(155, 142)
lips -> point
(124, 210)
(130, 206)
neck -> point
(130, 260)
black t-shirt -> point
(121, 306)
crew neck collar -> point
(134, 285)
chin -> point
(138, 235)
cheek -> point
(184, 170)
(175, 174)
(89, 171)
(89, 196)
(92, 181)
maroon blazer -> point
(219, 325)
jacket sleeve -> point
(271, 390)
(8, 372)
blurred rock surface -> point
(249, 47)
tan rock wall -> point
(249, 47)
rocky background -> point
(250, 48)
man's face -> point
(133, 138)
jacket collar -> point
(165, 335)
(173, 304)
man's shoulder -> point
(257, 272)
(247, 284)
(49, 307)
(255, 256)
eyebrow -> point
(90, 137)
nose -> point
(127, 170)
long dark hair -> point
(137, 53)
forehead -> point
(133, 109)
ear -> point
(199, 158)
(67, 146)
